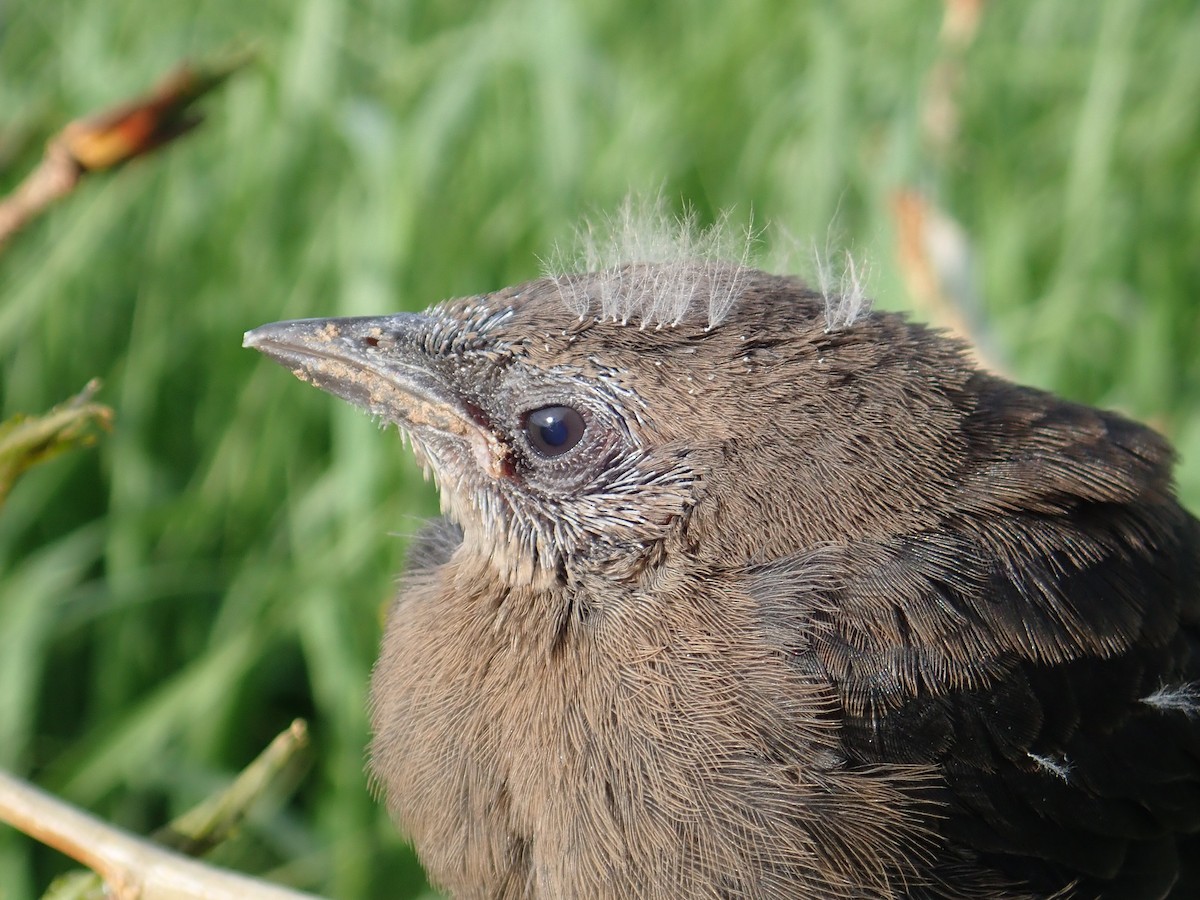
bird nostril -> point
(371, 341)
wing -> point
(1041, 646)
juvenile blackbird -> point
(738, 596)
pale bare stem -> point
(55, 177)
(933, 249)
(131, 867)
(940, 114)
(935, 257)
(211, 822)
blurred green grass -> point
(172, 599)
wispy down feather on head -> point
(844, 291)
(657, 268)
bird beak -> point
(380, 364)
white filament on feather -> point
(1060, 768)
(844, 290)
(1184, 698)
(655, 267)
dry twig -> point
(133, 868)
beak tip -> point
(253, 338)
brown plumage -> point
(735, 598)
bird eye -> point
(553, 430)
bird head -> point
(786, 567)
(598, 421)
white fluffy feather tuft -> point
(655, 267)
(1184, 698)
(844, 289)
(1060, 768)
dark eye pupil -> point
(554, 430)
(554, 433)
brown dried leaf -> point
(132, 129)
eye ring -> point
(553, 430)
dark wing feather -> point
(1019, 646)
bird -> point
(741, 591)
